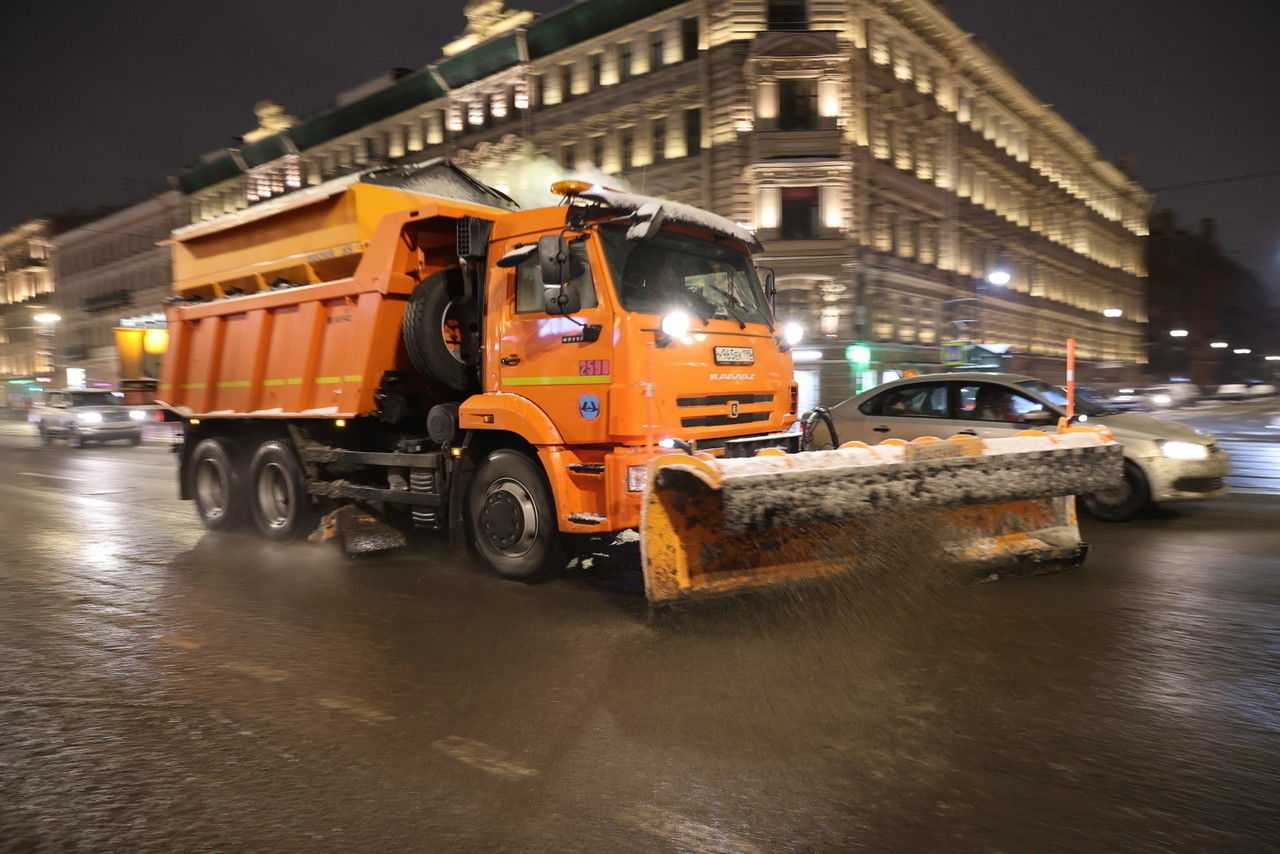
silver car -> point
(81, 416)
(1164, 461)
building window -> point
(626, 148)
(595, 66)
(692, 131)
(566, 81)
(597, 151)
(788, 15)
(658, 140)
(624, 61)
(799, 213)
(688, 39)
(566, 156)
(797, 104)
(657, 45)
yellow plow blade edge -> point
(990, 507)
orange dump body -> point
(319, 346)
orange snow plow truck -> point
(405, 340)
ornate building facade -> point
(887, 160)
(108, 269)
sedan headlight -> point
(89, 417)
(1161, 399)
(138, 414)
(1184, 450)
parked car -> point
(1232, 391)
(81, 416)
(1259, 390)
(1165, 461)
(1145, 399)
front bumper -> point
(109, 431)
(1187, 480)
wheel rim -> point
(274, 502)
(509, 517)
(211, 489)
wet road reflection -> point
(163, 689)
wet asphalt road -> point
(161, 689)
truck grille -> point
(724, 420)
(723, 399)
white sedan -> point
(1164, 461)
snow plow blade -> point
(991, 507)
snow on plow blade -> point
(992, 506)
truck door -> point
(550, 359)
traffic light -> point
(859, 355)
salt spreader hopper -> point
(988, 507)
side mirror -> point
(649, 218)
(1039, 416)
(562, 300)
(553, 258)
(771, 290)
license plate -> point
(735, 356)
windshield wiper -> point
(728, 306)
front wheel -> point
(511, 518)
(278, 500)
(1122, 503)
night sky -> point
(104, 100)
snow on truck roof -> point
(677, 212)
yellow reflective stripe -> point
(193, 385)
(234, 384)
(556, 380)
(352, 378)
(289, 381)
(328, 380)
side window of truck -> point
(529, 287)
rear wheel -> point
(1121, 504)
(511, 518)
(278, 500)
(217, 486)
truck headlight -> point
(636, 477)
(792, 333)
(1184, 450)
(675, 324)
(137, 415)
(89, 417)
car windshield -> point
(1057, 395)
(677, 271)
(94, 398)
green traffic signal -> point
(858, 354)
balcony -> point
(821, 139)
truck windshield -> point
(94, 398)
(676, 271)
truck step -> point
(587, 518)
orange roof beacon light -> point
(570, 188)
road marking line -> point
(486, 757)
(57, 476)
(256, 671)
(685, 833)
(180, 643)
(354, 707)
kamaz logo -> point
(733, 409)
(731, 376)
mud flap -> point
(357, 532)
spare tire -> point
(436, 334)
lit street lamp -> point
(999, 277)
(1219, 345)
(1242, 351)
(1113, 312)
(1178, 333)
